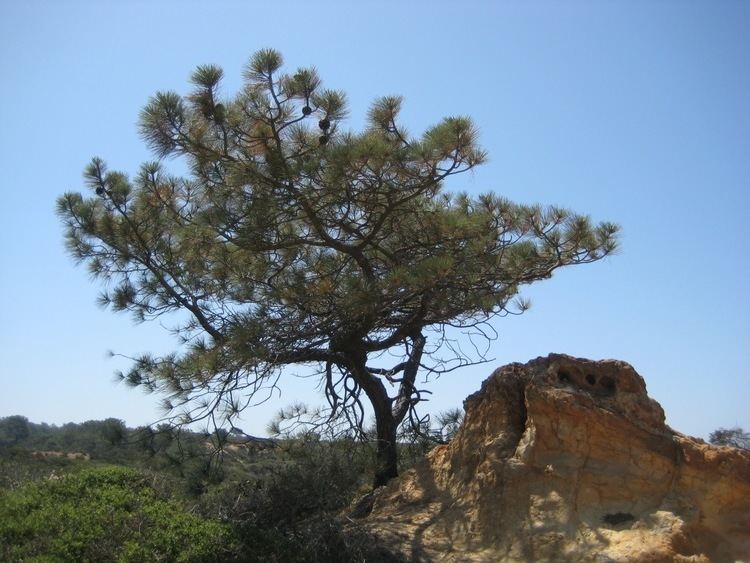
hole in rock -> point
(591, 379)
(616, 518)
(608, 384)
(564, 376)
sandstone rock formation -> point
(564, 459)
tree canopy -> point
(293, 240)
(735, 437)
(13, 429)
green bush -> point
(104, 514)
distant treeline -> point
(89, 436)
(97, 438)
(182, 453)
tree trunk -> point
(386, 457)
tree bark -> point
(389, 412)
(386, 456)
(386, 453)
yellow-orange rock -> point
(564, 459)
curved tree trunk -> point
(389, 411)
(386, 457)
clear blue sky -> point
(635, 112)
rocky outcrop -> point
(564, 459)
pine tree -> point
(735, 437)
(295, 241)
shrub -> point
(288, 513)
(104, 514)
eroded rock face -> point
(564, 459)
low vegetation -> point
(99, 491)
(105, 514)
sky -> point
(633, 112)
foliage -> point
(296, 242)
(19, 466)
(179, 453)
(278, 504)
(103, 514)
(448, 423)
(96, 437)
(310, 476)
(288, 514)
(736, 437)
(114, 431)
(13, 429)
